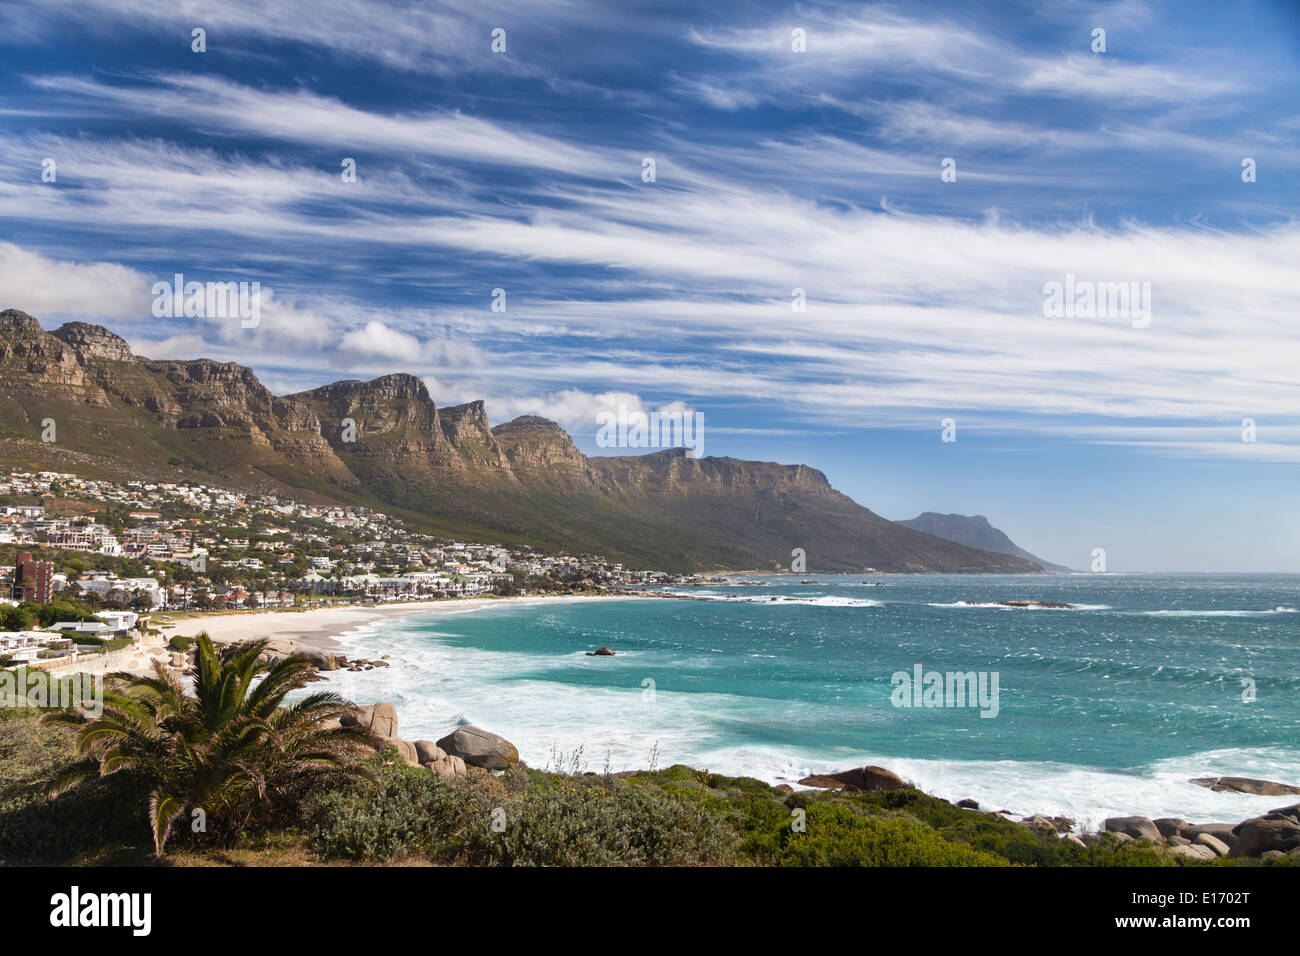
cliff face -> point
(385, 443)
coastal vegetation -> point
(228, 756)
(285, 783)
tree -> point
(16, 618)
(231, 750)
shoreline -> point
(318, 628)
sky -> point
(830, 229)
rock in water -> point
(1263, 788)
(601, 652)
(479, 748)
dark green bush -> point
(491, 824)
(837, 836)
(413, 814)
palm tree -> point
(231, 750)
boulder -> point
(1220, 831)
(1039, 823)
(1262, 788)
(601, 652)
(480, 748)
(1262, 834)
(377, 719)
(1175, 840)
(968, 804)
(1071, 838)
(447, 767)
(429, 751)
(1170, 826)
(383, 723)
(443, 768)
(358, 717)
(407, 750)
(1139, 828)
(1214, 843)
(862, 779)
(1292, 811)
(1194, 851)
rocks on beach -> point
(480, 748)
(449, 758)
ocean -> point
(1105, 709)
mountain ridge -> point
(975, 531)
(522, 481)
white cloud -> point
(55, 288)
(377, 339)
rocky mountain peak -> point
(94, 342)
(15, 320)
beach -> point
(318, 627)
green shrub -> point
(412, 813)
(593, 826)
(76, 824)
(836, 836)
(180, 642)
(490, 822)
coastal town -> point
(124, 550)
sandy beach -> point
(312, 627)
(317, 627)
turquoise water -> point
(1108, 708)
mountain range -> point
(121, 416)
(974, 531)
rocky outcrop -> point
(601, 652)
(479, 748)
(1139, 828)
(1170, 826)
(1214, 843)
(863, 779)
(1275, 831)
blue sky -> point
(775, 169)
